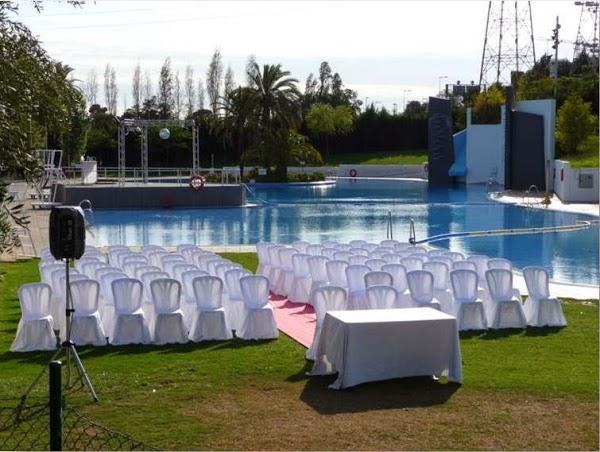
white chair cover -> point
(234, 311)
(107, 305)
(392, 258)
(455, 256)
(329, 252)
(100, 272)
(325, 298)
(441, 284)
(318, 272)
(141, 271)
(420, 285)
(47, 270)
(186, 246)
(355, 275)
(155, 257)
(382, 297)
(417, 250)
(375, 264)
(378, 254)
(179, 269)
(210, 321)
(35, 329)
(342, 255)
(540, 309)
(283, 285)
(300, 290)
(129, 268)
(131, 326)
(258, 321)
(342, 247)
(357, 243)
(137, 257)
(301, 246)
(504, 309)
(359, 252)
(167, 324)
(188, 299)
(369, 246)
(86, 327)
(357, 259)
(464, 265)
(436, 252)
(398, 247)
(336, 273)
(84, 260)
(275, 265)
(262, 251)
(201, 260)
(499, 263)
(314, 250)
(169, 263)
(400, 283)
(189, 253)
(148, 249)
(467, 308)
(378, 278)
(446, 260)
(412, 263)
(481, 264)
(89, 268)
(389, 243)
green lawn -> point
(533, 389)
(588, 157)
(412, 157)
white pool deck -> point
(555, 204)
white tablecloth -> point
(379, 344)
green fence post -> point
(55, 405)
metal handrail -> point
(389, 234)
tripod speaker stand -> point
(67, 241)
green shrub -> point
(574, 124)
(486, 107)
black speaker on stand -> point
(67, 241)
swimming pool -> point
(358, 209)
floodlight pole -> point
(195, 150)
(144, 145)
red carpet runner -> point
(297, 320)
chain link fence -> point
(30, 425)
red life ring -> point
(353, 172)
(196, 182)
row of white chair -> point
(420, 281)
(140, 303)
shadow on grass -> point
(380, 395)
(87, 352)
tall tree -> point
(229, 82)
(190, 92)
(90, 87)
(165, 90)
(111, 90)
(200, 94)
(250, 67)
(214, 80)
(147, 88)
(177, 96)
(114, 91)
(278, 110)
(136, 89)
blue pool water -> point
(358, 210)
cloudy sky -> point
(390, 52)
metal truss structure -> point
(508, 45)
(141, 126)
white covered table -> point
(380, 344)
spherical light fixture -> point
(164, 134)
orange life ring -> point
(196, 182)
(353, 172)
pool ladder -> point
(389, 233)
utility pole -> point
(554, 66)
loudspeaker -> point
(66, 232)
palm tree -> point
(239, 122)
(278, 105)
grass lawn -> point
(588, 157)
(533, 389)
(412, 157)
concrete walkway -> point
(535, 202)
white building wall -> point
(575, 184)
(485, 151)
